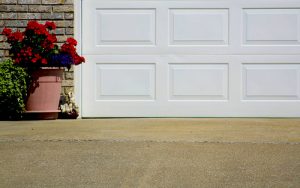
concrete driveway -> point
(151, 153)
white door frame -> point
(77, 69)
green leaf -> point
(13, 89)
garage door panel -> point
(198, 81)
(271, 81)
(125, 26)
(272, 26)
(198, 26)
(125, 81)
(128, 27)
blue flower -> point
(61, 60)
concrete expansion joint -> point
(144, 141)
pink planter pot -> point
(44, 94)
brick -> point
(65, 23)
(6, 53)
(14, 29)
(53, 2)
(40, 8)
(4, 46)
(69, 16)
(29, 16)
(69, 2)
(42, 21)
(67, 83)
(66, 90)
(3, 59)
(22, 29)
(69, 31)
(63, 8)
(2, 53)
(29, 1)
(61, 38)
(52, 16)
(15, 23)
(13, 8)
(1, 44)
(2, 2)
(9, 15)
(60, 31)
(69, 75)
(71, 69)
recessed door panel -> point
(125, 81)
(272, 26)
(125, 26)
(198, 81)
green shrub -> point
(13, 90)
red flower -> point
(38, 29)
(17, 60)
(31, 25)
(67, 48)
(29, 51)
(72, 41)
(34, 60)
(36, 46)
(15, 37)
(44, 61)
(41, 30)
(6, 31)
(37, 56)
(52, 38)
(18, 36)
(50, 25)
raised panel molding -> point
(198, 26)
(272, 26)
(271, 81)
(125, 27)
(198, 81)
(125, 81)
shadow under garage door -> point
(193, 58)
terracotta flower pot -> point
(44, 94)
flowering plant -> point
(35, 47)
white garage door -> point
(191, 58)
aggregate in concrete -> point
(186, 130)
(148, 164)
(151, 153)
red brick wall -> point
(16, 13)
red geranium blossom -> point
(35, 47)
(37, 28)
(50, 25)
(6, 31)
(72, 41)
(16, 36)
(44, 61)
